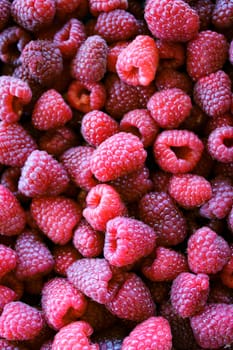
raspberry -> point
(20, 321)
(15, 93)
(97, 6)
(165, 107)
(171, 20)
(169, 78)
(113, 52)
(231, 52)
(63, 257)
(126, 155)
(165, 266)
(213, 327)
(74, 336)
(43, 60)
(177, 151)
(62, 303)
(212, 93)
(6, 296)
(190, 190)
(9, 280)
(8, 260)
(97, 126)
(138, 62)
(133, 300)
(116, 25)
(160, 181)
(218, 122)
(64, 8)
(7, 345)
(227, 271)
(204, 9)
(207, 251)
(12, 215)
(171, 54)
(220, 144)
(90, 63)
(34, 258)
(214, 50)
(5, 13)
(158, 210)
(222, 14)
(56, 217)
(76, 161)
(127, 240)
(9, 179)
(219, 293)
(103, 203)
(230, 220)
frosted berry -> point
(5, 13)
(8, 260)
(222, 14)
(220, 144)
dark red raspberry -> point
(5, 13)
(64, 8)
(204, 9)
(9, 179)
(217, 122)
(169, 78)
(138, 62)
(213, 327)
(158, 210)
(219, 293)
(63, 257)
(222, 14)
(160, 180)
(171, 20)
(171, 54)
(120, 154)
(159, 291)
(8, 260)
(177, 151)
(230, 220)
(113, 52)
(43, 60)
(111, 339)
(223, 169)
(212, 93)
(220, 144)
(227, 271)
(97, 6)
(207, 251)
(62, 212)
(6, 296)
(231, 52)
(10, 281)
(166, 265)
(116, 25)
(34, 286)
(47, 345)
(206, 54)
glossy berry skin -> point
(8, 260)
(220, 144)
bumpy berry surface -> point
(114, 50)
(5, 13)
(220, 144)
(169, 78)
(204, 8)
(6, 296)
(222, 14)
(8, 260)
(227, 271)
(63, 257)
(97, 6)
(171, 54)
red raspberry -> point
(86, 97)
(190, 190)
(217, 122)
(116, 25)
(7, 345)
(222, 14)
(43, 60)
(170, 107)
(138, 62)
(10, 281)
(212, 93)
(227, 271)
(213, 327)
(12, 215)
(219, 293)
(207, 251)
(6, 296)
(120, 154)
(165, 266)
(90, 63)
(177, 151)
(189, 293)
(14, 94)
(20, 321)
(230, 220)
(97, 6)
(204, 9)
(133, 300)
(159, 290)
(127, 240)
(5, 13)
(154, 333)
(103, 203)
(171, 20)
(62, 303)
(225, 169)
(169, 78)
(171, 54)
(74, 336)
(220, 144)
(113, 52)
(56, 217)
(158, 210)
(64, 256)
(8, 260)
(97, 126)
(34, 258)
(76, 161)
(206, 54)
(160, 180)
(64, 8)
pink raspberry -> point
(213, 327)
(190, 190)
(20, 321)
(14, 94)
(127, 240)
(34, 258)
(189, 293)
(116, 25)
(42, 175)
(155, 332)
(113, 52)
(97, 6)
(212, 93)
(5, 13)
(119, 155)
(89, 64)
(169, 78)
(171, 20)
(97, 126)
(64, 256)
(166, 265)
(170, 107)
(222, 14)
(171, 54)
(158, 210)
(226, 274)
(220, 144)
(138, 62)
(8, 260)
(62, 303)
(206, 54)
(12, 215)
(204, 9)
(103, 203)
(177, 151)
(74, 336)
(207, 251)
(62, 212)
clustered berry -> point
(116, 174)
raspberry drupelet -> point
(5, 13)
(7, 295)
(220, 144)
(222, 14)
(8, 260)
(64, 256)
(97, 6)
